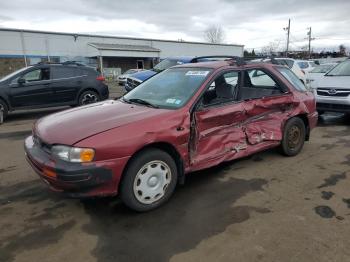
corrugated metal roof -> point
(120, 47)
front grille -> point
(132, 83)
(340, 107)
(333, 92)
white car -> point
(333, 90)
(294, 66)
(317, 73)
(306, 65)
(122, 78)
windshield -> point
(14, 73)
(170, 89)
(166, 63)
(322, 69)
(342, 69)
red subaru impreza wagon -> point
(187, 118)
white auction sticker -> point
(197, 73)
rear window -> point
(288, 62)
(292, 78)
(59, 72)
(303, 65)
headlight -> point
(73, 154)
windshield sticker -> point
(170, 100)
(178, 101)
(197, 73)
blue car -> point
(137, 78)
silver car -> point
(333, 90)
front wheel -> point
(88, 97)
(293, 136)
(149, 181)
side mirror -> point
(21, 81)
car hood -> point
(143, 75)
(71, 126)
(334, 81)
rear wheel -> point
(293, 136)
(88, 97)
(149, 180)
(3, 110)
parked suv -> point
(47, 85)
(333, 90)
(134, 80)
(187, 118)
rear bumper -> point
(100, 178)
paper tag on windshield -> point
(197, 73)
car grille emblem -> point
(332, 91)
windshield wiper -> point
(141, 101)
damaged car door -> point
(216, 128)
(266, 103)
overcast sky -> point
(254, 23)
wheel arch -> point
(6, 102)
(87, 89)
(306, 123)
(166, 147)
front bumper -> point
(333, 104)
(100, 178)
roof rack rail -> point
(238, 60)
(61, 63)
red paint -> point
(204, 138)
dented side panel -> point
(218, 131)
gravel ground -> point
(263, 208)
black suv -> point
(47, 85)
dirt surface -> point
(263, 208)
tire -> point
(293, 136)
(141, 188)
(88, 97)
(4, 108)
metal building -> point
(19, 48)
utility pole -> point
(310, 39)
(288, 32)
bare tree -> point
(214, 34)
(271, 48)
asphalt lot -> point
(263, 208)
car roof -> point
(226, 63)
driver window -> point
(222, 89)
(37, 75)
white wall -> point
(43, 44)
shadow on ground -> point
(202, 208)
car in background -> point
(294, 66)
(186, 118)
(51, 84)
(313, 76)
(333, 90)
(288, 62)
(122, 78)
(135, 79)
(306, 65)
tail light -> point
(101, 78)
